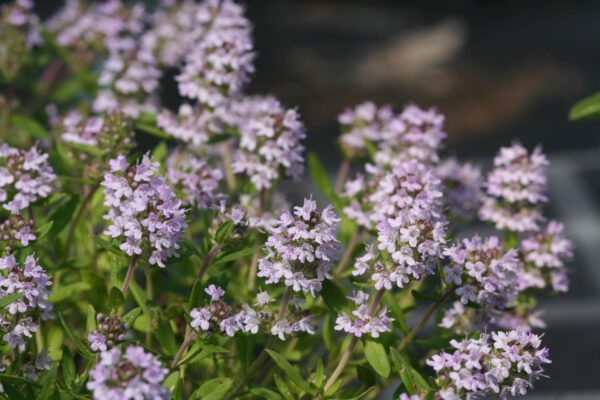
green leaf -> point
(199, 352)
(214, 389)
(265, 393)
(42, 231)
(236, 255)
(152, 130)
(292, 372)
(159, 154)
(29, 125)
(62, 215)
(106, 245)
(171, 381)
(8, 299)
(131, 316)
(283, 388)
(319, 176)
(424, 297)
(116, 298)
(7, 378)
(90, 323)
(86, 148)
(68, 291)
(320, 374)
(414, 382)
(67, 365)
(165, 336)
(333, 296)
(360, 395)
(76, 341)
(221, 137)
(224, 230)
(586, 108)
(377, 358)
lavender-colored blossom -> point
(193, 125)
(270, 146)
(483, 272)
(362, 125)
(25, 177)
(143, 210)
(195, 179)
(462, 185)
(301, 248)
(361, 321)
(515, 189)
(19, 318)
(410, 228)
(109, 331)
(16, 231)
(545, 254)
(220, 61)
(504, 363)
(129, 375)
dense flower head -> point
(19, 319)
(16, 231)
(195, 179)
(362, 320)
(516, 188)
(110, 25)
(110, 133)
(358, 192)
(416, 134)
(410, 229)
(192, 125)
(462, 185)
(220, 61)
(503, 362)
(109, 331)
(483, 272)
(404, 396)
(362, 125)
(143, 210)
(209, 318)
(129, 375)
(545, 254)
(270, 146)
(301, 248)
(25, 177)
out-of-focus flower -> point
(462, 185)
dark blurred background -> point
(499, 71)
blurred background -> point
(499, 71)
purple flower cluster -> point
(195, 179)
(516, 188)
(483, 272)
(25, 177)
(544, 255)
(270, 140)
(211, 317)
(220, 60)
(19, 319)
(362, 321)
(503, 362)
(362, 125)
(301, 248)
(16, 230)
(191, 125)
(143, 210)
(462, 188)
(410, 229)
(414, 134)
(130, 375)
(20, 15)
(110, 330)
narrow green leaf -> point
(360, 395)
(165, 336)
(291, 372)
(414, 382)
(8, 299)
(236, 255)
(377, 358)
(62, 215)
(86, 148)
(214, 389)
(586, 108)
(67, 364)
(116, 298)
(42, 231)
(319, 176)
(319, 374)
(152, 130)
(366, 375)
(68, 291)
(171, 381)
(264, 393)
(90, 323)
(131, 316)
(283, 388)
(76, 341)
(106, 245)
(30, 126)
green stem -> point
(78, 216)
(189, 337)
(207, 261)
(348, 253)
(228, 165)
(348, 352)
(342, 175)
(428, 313)
(129, 276)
